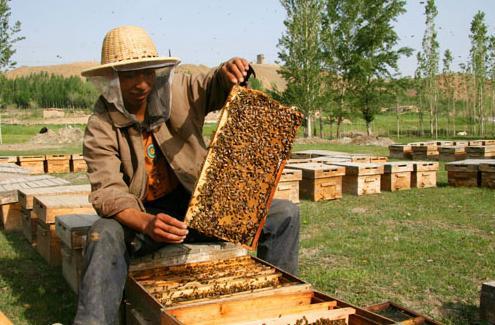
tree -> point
(300, 55)
(7, 37)
(491, 76)
(431, 58)
(479, 49)
(449, 87)
(420, 85)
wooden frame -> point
(404, 315)
(262, 183)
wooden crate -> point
(475, 142)
(26, 196)
(72, 265)
(396, 176)
(77, 163)
(424, 174)
(48, 243)
(73, 228)
(57, 163)
(487, 302)
(201, 296)
(451, 153)
(29, 225)
(47, 207)
(320, 181)
(487, 169)
(399, 314)
(34, 163)
(480, 152)
(361, 179)
(425, 152)
(11, 219)
(464, 173)
(400, 151)
(288, 186)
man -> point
(144, 149)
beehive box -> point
(487, 302)
(10, 210)
(464, 173)
(400, 151)
(34, 163)
(396, 176)
(320, 181)
(487, 169)
(452, 153)
(480, 152)
(425, 152)
(488, 142)
(57, 163)
(26, 196)
(424, 174)
(244, 163)
(77, 163)
(47, 207)
(475, 142)
(72, 231)
(361, 179)
(399, 314)
(10, 171)
(243, 290)
(48, 243)
(288, 186)
(378, 159)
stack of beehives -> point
(57, 163)
(472, 173)
(444, 150)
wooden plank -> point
(26, 195)
(310, 317)
(425, 166)
(400, 314)
(72, 264)
(362, 169)
(398, 167)
(49, 206)
(289, 174)
(318, 170)
(29, 225)
(4, 320)
(468, 165)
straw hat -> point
(128, 48)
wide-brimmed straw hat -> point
(128, 48)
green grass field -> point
(427, 249)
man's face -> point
(135, 86)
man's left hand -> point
(235, 70)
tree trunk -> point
(368, 128)
(309, 126)
(339, 122)
(397, 117)
(321, 126)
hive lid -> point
(318, 170)
(243, 166)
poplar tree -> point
(478, 53)
(420, 83)
(300, 55)
(449, 87)
(8, 36)
(431, 57)
(491, 76)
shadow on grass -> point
(461, 313)
(39, 294)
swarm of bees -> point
(237, 182)
(188, 282)
(321, 321)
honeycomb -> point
(244, 161)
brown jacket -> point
(113, 145)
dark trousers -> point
(110, 246)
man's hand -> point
(235, 70)
(167, 229)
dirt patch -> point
(363, 139)
(359, 210)
(65, 135)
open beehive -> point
(244, 162)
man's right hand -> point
(167, 229)
(161, 228)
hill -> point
(266, 73)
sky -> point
(208, 32)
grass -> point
(428, 249)
(17, 133)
